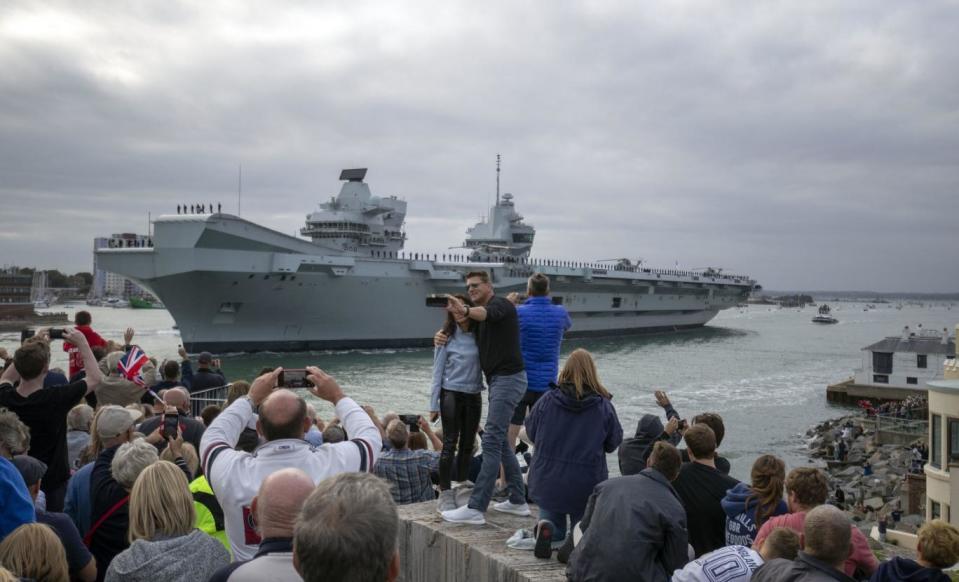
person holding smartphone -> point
(208, 373)
(456, 399)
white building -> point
(106, 283)
(908, 361)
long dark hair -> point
(450, 325)
(768, 481)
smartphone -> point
(294, 378)
(27, 334)
(56, 333)
(436, 300)
(412, 421)
(683, 424)
(171, 425)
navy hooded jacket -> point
(741, 527)
(571, 438)
(903, 570)
(541, 328)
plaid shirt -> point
(408, 473)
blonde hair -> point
(34, 551)
(6, 576)
(939, 543)
(189, 456)
(580, 371)
(236, 389)
(161, 503)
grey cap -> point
(113, 420)
(31, 469)
(205, 358)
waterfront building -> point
(942, 491)
(908, 361)
(15, 289)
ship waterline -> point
(233, 285)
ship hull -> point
(233, 286)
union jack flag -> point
(131, 363)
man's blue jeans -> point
(504, 394)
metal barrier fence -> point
(203, 398)
(890, 423)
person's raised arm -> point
(428, 431)
(456, 306)
(357, 423)
(663, 400)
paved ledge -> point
(432, 549)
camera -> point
(683, 424)
(171, 425)
(27, 334)
(294, 378)
(412, 421)
(56, 333)
(436, 300)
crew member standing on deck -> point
(497, 335)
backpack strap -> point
(209, 501)
(88, 539)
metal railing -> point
(890, 423)
(203, 398)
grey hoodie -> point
(195, 556)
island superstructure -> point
(233, 285)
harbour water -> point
(764, 369)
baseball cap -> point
(31, 469)
(112, 421)
(205, 358)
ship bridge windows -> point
(617, 302)
(522, 237)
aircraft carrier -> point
(235, 286)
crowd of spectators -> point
(105, 474)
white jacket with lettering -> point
(235, 476)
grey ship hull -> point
(232, 285)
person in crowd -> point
(236, 476)
(314, 436)
(78, 433)
(541, 329)
(937, 548)
(209, 412)
(192, 429)
(634, 452)
(407, 471)
(715, 422)
(634, 527)
(183, 456)
(236, 389)
(496, 326)
(347, 530)
(164, 545)
(82, 320)
(826, 539)
(79, 560)
(34, 552)
(334, 433)
(208, 373)
(78, 502)
(114, 474)
(748, 506)
(126, 375)
(572, 426)
(701, 487)
(806, 489)
(16, 504)
(738, 563)
(44, 410)
(169, 376)
(275, 507)
(456, 398)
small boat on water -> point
(143, 303)
(115, 302)
(824, 315)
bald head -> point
(827, 535)
(279, 500)
(177, 397)
(283, 416)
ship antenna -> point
(497, 179)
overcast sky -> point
(812, 145)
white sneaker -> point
(521, 509)
(464, 514)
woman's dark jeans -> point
(460, 415)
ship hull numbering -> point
(235, 286)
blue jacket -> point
(78, 503)
(16, 506)
(571, 439)
(741, 527)
(541, 327)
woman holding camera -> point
(572, 427)
(456, 399)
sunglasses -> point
(473, 285)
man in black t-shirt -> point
(44, 410)
(701, 487)
(496, 325)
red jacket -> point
(76, 360)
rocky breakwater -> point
(870, 476)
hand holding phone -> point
(171, 425)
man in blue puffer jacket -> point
(541, 329)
